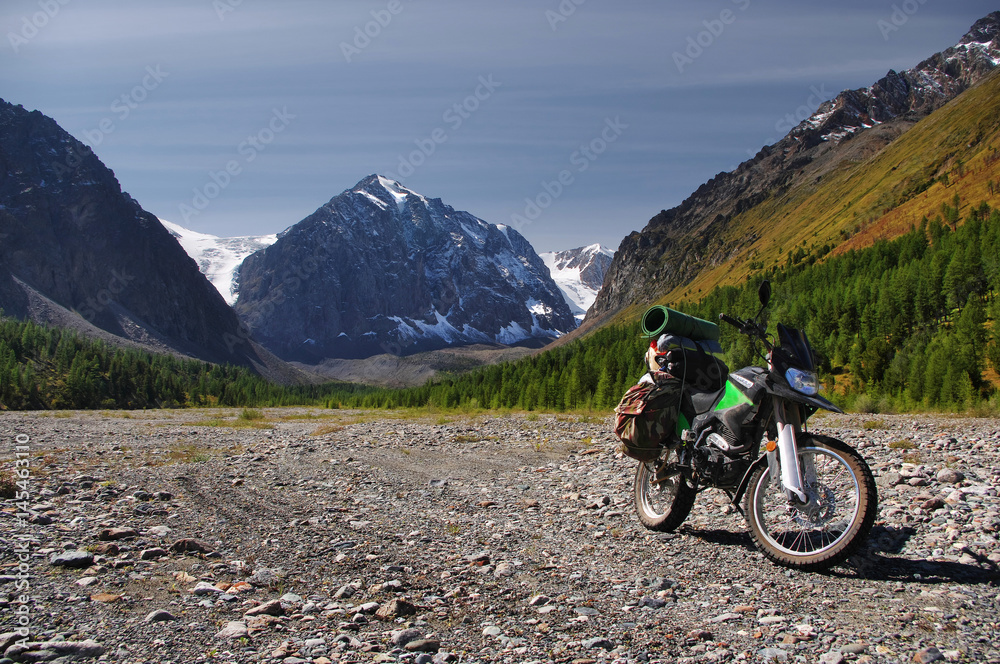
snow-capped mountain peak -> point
(383, 269)
(219, 258)
(579, 274)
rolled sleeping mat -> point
(659, 320)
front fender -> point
(745, 482)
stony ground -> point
(325, 536)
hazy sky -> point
(483, 104)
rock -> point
(78, 559)
(423, 645)
(503, 570)
(725, 617)
(233, 630)
(773, 654)
(290, 602)
(189, 545)
(889, 479)
(159, 616)
(261, 623)
(272, 608)
(206, 588)
(539, 600)
(492, 630)
(400, 638)
(854, 648)
(264, 578)
(115, 534)
(479, 559)
(345, 592)
(159, 531)
(932, 504)
(597, 642)
(84, 582)
(154, 553)
(7, 639)
(652, 602)
(949, 476)
(928, 655)
(107, 549)
(586, 611)
(395, 608)
(32, 651)
(832, 657)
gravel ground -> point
(325, 536)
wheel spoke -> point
(823, 521)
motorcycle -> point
(809, 500)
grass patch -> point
(327, 429)
(235, 424)
(872, 425)
(251, 414)
(8, 484)
(912, 457)
(902, 445)
(462, 438)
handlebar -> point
(732, 321)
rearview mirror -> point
(764, 292)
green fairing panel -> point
(732, 397)
(682, 423)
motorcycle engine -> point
(718, 462)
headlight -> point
(802, 381)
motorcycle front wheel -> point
(662, 500)
(838, 517)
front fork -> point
(789, 424)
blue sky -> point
(241, 117)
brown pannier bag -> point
(647, 416)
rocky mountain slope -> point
(733, 211)
(219, 258)
(579, 274)
(77, 251)
(382, 269)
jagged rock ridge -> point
(678, 243)
(383, 269)
(77, 251)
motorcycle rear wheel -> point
(662, 505)
(842, 506)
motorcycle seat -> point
(703, 401)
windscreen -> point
(796, 343)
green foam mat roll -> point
(659, 320)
